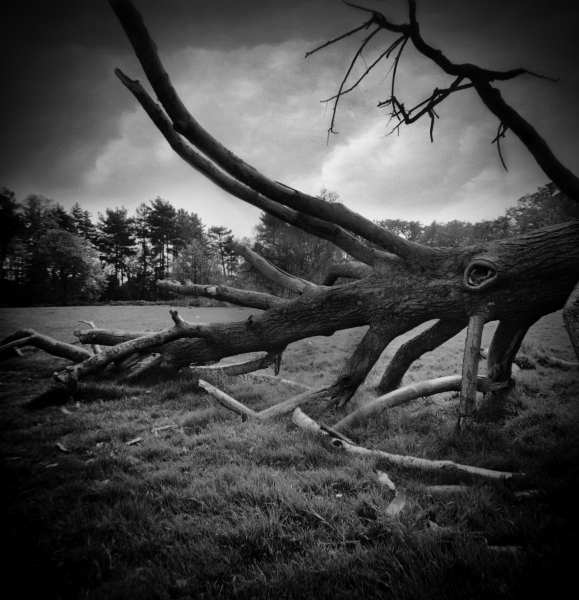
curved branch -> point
(317, 227)
(269, 270)
(363, 359)
(428, 340)
(240, 368)
(187, 126)
(449, 383)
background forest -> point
(51, 256)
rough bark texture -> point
(467, 405)
(408, 353)
(504, 347)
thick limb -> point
(350, 270)
(428, 340)
(223, 293)
(362, 361)
(502, 352)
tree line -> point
(52, 256)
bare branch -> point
(29, 337)
(501, 134)
(481, 80)
(308, 424)
(341, 37)
(182, 329)
(107, 337)
(384, 54)
(239, 368)
(337, 97)
(187, 126)
(449, 383)
(318, 227)
(227, 401)
(428, 340)
(223, 293)
(291, 282)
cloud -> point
(71, 131)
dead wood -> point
(227, 401)
(277, 410)
(239, 368)
(468, 388)
(422, 389)
(29, 337)
(307, 424)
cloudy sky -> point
(70, 130)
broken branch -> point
(306, 423)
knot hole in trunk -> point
(479, 275)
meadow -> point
(150, 489)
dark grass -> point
(212, 507)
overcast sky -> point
(70, 130)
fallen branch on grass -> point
(239, 368)
(29, 337)
(228, 402)
(524, 362)
(273, 411)
(450, 383)
(274, 378)
(306, 423)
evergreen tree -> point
(116, 244)
(161, 221)
(220, 243)
(83, 225)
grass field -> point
(205, 506)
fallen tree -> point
(397, 285)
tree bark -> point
(408, 353)
(467, 404)
(29, 337)
(502, 352)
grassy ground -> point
(205, 506)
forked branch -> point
(481, 81)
